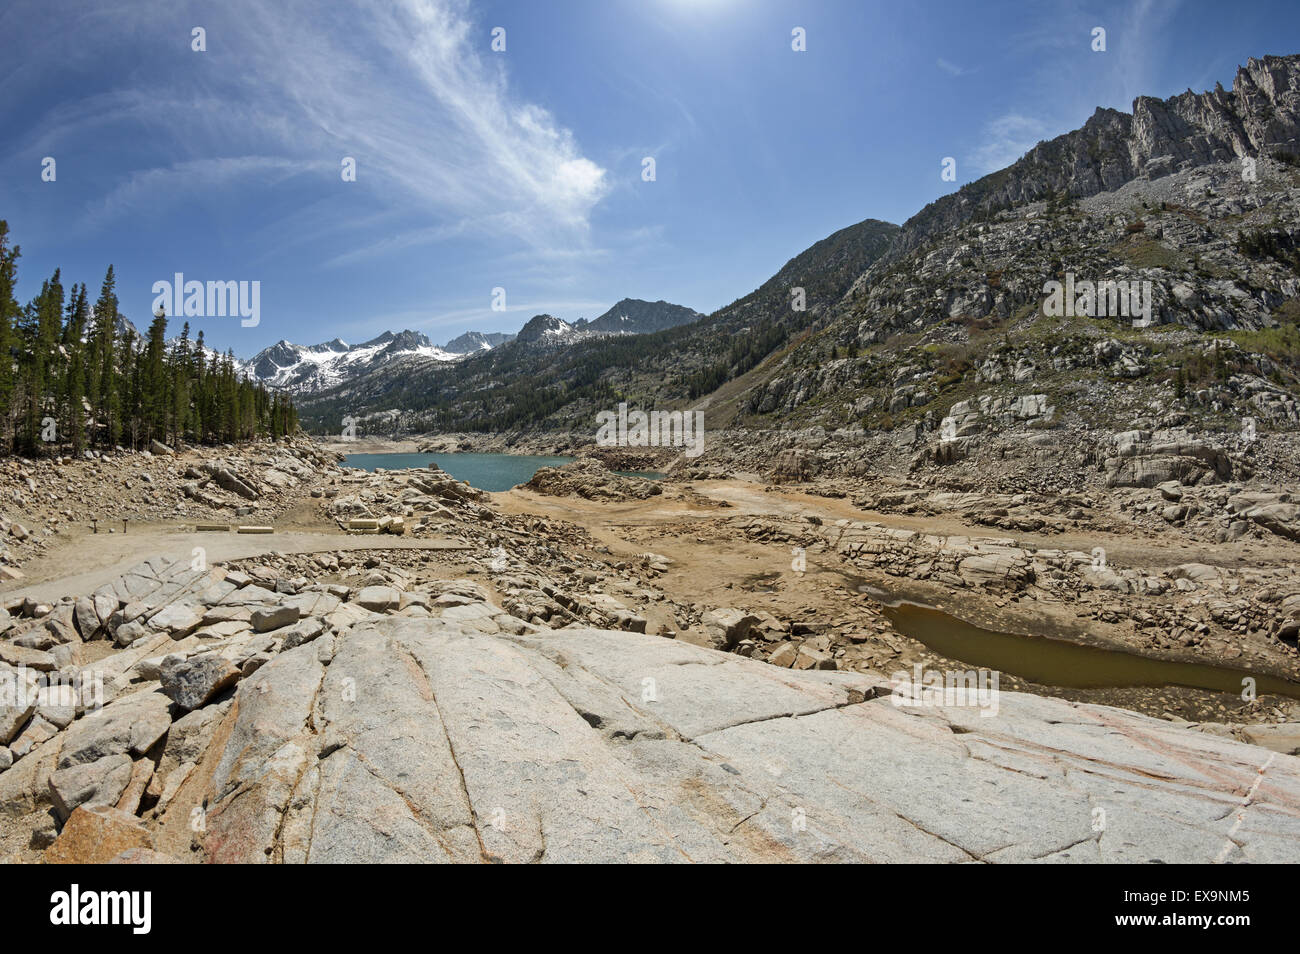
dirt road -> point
(84, 561)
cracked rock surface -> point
(422, 741)
(450, 731)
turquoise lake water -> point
(491, 472)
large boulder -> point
(273, 617)
(129, 725)
(727, 627)
(194, 681)
(100, 782)
(379, 599)
(96, 835)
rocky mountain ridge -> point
(574, 375)
(306, 370)
(951, 306)
(1260, 116)
(631, 316)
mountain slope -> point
(555, 377)
(304, 369)
(638, 317)
(472, 341)
(955, 314)
(899, 324)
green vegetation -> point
(1276, 244)
(1143, 252)
(1281, 344)
(67, 379)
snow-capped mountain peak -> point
(304, 369)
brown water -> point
(1056, 662)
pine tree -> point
(153, 382)
(8, 312)
(39, 334)
(75, 383)
(59, 359)
(181, 369)
(106, 398)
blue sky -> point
(523, 169)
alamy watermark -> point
(194, 299)
(626, 428)
(75, 907)
(21, 688)
(1108, 299)
(974, 688)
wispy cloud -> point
(952, 69)
(441, 126)
(438, 133)
(156, 187)
(1005, 139)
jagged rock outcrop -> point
(1143, 461)
(1259, 116)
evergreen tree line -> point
(70, 378)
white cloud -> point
(410, 88)
(1005, 139)
(158, 186)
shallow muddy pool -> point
(1057, 662)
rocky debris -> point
(273, 617)
(794, 465)
(415, 501)
(338, 743)
(43, 497)
(1275, 512)
(98, 783)
(226, 479)
(809, 658)
(588, 477)
(1283, 737)
(966, 419)
(725, 628)
(379, 598)
(988, 562)
(1145, 461)
(1246, 616)
(116, 734)
(642, 459)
